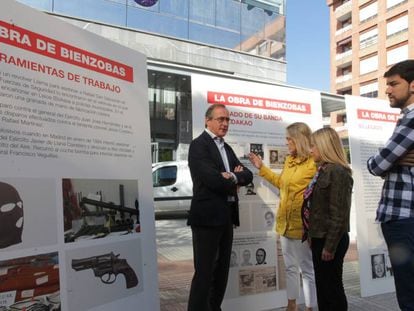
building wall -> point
(191, 55)
(355, 82)
(240, 38)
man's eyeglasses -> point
(222, 119)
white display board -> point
(75, 181)
(370, 124)
(259, 116)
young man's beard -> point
(402, 102)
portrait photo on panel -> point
(234, 259)
(269, 219)
(273, 156)
(246, 257)
(378, 266)
(277, 156)
(260, 256)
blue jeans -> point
(399, 236)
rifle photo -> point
(108, 265)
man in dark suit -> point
(216, 173)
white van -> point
(173, 187)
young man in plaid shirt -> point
(394, 163)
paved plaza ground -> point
(176, 268)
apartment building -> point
(368, 36)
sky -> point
(307, 44)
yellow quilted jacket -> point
(292, 182)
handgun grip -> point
(131, 278)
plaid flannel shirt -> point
(397, 198)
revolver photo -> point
(107, 267)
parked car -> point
(173, 187)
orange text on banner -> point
(36, 43)
(377, 115)
(257, 102)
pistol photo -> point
(107, 267)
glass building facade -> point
(197, 33)
(253, 26)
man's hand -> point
(227, 175)
(408, 159)
(327, 256)
(238, 169)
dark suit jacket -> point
(210, 206)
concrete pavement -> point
(176, 268)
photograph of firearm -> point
(30, 281)
(107, 267)
(94, 208)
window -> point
(346, 22)
(346, 71)
(397, 25)
(368, 38)
(345, 92)
(346, 47)
(394, 3)
(341, 118)
(39, 4)
(368, 12)
(368, 64)
(112, 12)
(369, 90)
(397, 54)
(164, 176)
(228, 15)
(174, 7)
(202, 12)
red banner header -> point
(377, 115)
(36, 43)
(257, 102)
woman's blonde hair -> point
(300, 133)
(330, 146)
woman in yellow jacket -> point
(298, 170)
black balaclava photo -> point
(11, 216)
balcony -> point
(344, 11)
(344, 81)
(344, 78)
(344, 59)
(343, 30)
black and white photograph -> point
(257, 149)
(234, 259)
(378, 266)
(246, 259)
(260, 256)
